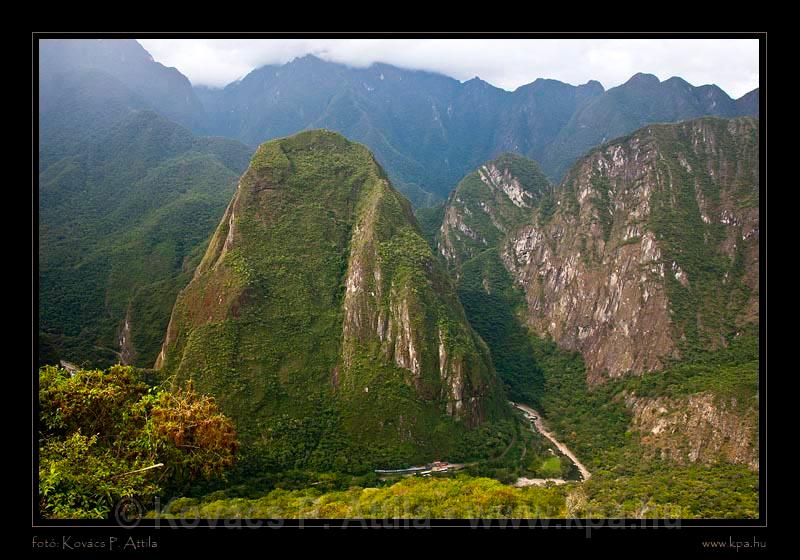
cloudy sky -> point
(732, 64)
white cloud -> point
(732, 64)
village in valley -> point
(423, 470)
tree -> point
(200, 440)
(101, 430)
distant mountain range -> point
(429, 130)
(426, 129)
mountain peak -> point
(677, 81)
(642, 79)
(476, 81)
(307, 59)
(335, 302)
(506, 188)
(593, 85)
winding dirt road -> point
(536, 418)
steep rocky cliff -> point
(318, 299)
(488, 204)
(696, 428)
(652, 251)
(399, 300)
(646, 256)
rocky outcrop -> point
(652, 249)
(127, 354)
(489, 203)
(399, 300)
(698, 428)
(501, 179)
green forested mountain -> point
(323, 323)
(127, 198)
(122, 222)
(489, 203)
(486, 206)
(567, 295)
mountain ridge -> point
(543, 120)
(427, 129)
(621, 217)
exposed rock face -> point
(696, 428)
(489, 203)
(399, 300)
(318, 292)
(653, 247)
(496, 179)
(127, 353)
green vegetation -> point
(527, 172)
(719, 491)
(128, 199)
(590, 421)
(261, 325)
(430, 220)
(122, 224)
(594, 422)
(727, 372)
(516, 451)
(107, 435)
(550, 467)
(547, 208)
(460, 497)
(708, 311)
(488, 211)
(494, 305)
